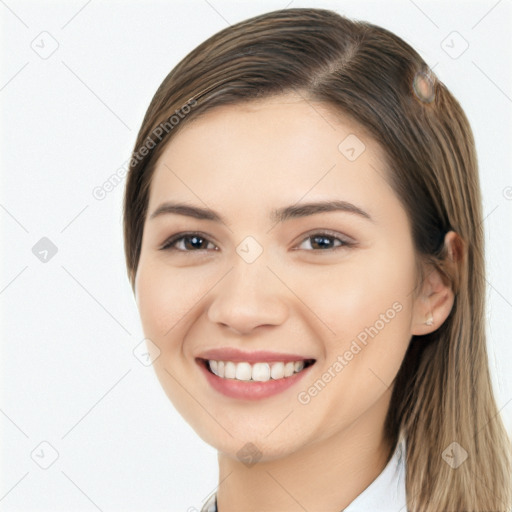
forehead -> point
(280, 149)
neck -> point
(323, 475)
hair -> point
(443, 391)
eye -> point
(193, 242)
(187, 242)
(323, 241)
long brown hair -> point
(443, 393)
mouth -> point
(254, 375)
(262, 371)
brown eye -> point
(187, 242)
(325, 242)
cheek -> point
(365, 291)
(163, 297)
(371, 319)
(367, 302)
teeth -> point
(277, 370)
(229, 370)
(243, 371)
(289, 368)
(260, 372)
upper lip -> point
(256, 356)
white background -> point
(70, 325)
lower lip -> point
(251, 390)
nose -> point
(248, 297)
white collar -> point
(385, 494)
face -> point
(279, 322)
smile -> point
(256, 372)
(252, 375)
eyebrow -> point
(277, 216)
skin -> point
(244, 161)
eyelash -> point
(169, 243)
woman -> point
(303, 236)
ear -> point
(435, 301)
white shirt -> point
(385, 494)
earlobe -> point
(433, 306)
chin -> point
(250, 443)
